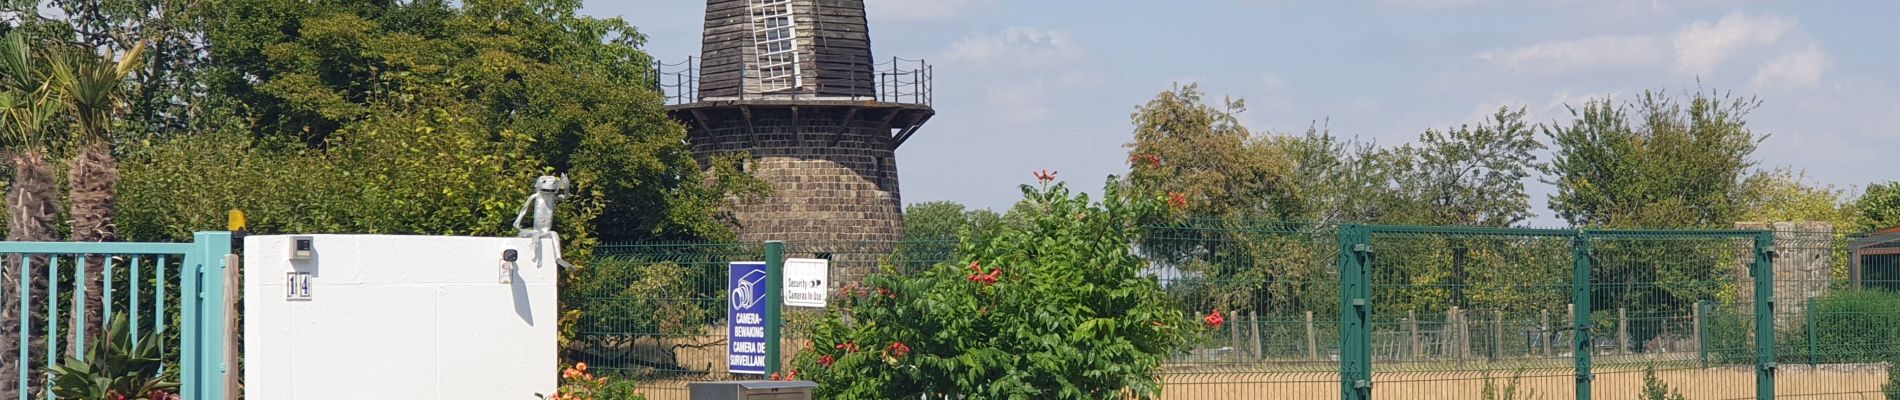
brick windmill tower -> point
(793, 83)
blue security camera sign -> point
(745, 316)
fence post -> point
(1580, 301)
(1411, 328)
(1355, 311)
(1812, 333)
(1312, 339)
(1543, 330)
(1701, 333)
(774, 296)
(1622, 330)
(1255, 317)
(1497, 334)
(1233, 331)
(1764, 273)
(207, 268)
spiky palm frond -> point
(26, 118)
(18, 71)
(91, 85)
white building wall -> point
(400, 317)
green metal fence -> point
(1363, 311)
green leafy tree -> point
(1879, 206)
(1657, 162)
(1187, 148)
(1784, 194)
(571, 91)
(1473, 175)
(1056, 309)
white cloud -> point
(1016, 47)
(1020, 66)
(1272, 82)
(1430, 3)
(1598, 52)
(1701, 46)
(1021, 103)
(1797, 70)
(922, 9)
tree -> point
(1187, 148)
(571, 89)
(29, 110)
(1473, 175)
(939, 220)
(1879, 206)
(92, 86)
(1784, 194)
(1055, 309)
(1653, 163)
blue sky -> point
(1027, 85)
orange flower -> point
(581, 366)
(1177, 200)
(1045, 175)
(898, 349)
(827, 360)
(1215, 320)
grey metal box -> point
(752, 390)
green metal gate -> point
(174, 289)
(1484, 309)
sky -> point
(1025, 85)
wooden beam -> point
(699, 118)
(912, 130)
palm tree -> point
(92, 87)
(28, 111)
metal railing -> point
(900, 81)
(171, 292)
(1319, 310)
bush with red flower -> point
(1055, 308)
(579, 384)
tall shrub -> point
(1053, 309)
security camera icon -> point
(750, 292)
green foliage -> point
(1055, 309)
(578, 384)
(948, 220)
(1852, 326)
(114, 367)
(931, 230)
(426, 172)
(1879, 206)
(1891, 389)
(1655, 389)
(1784, 194)
(1509, 391)
(528, 86)
(1471, 175)
(641, 299)
(1652, 163)
(1184, 146)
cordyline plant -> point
(1054, 308)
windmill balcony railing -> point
(898, 80)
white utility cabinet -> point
(399, 317)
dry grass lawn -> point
(1795, 382)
